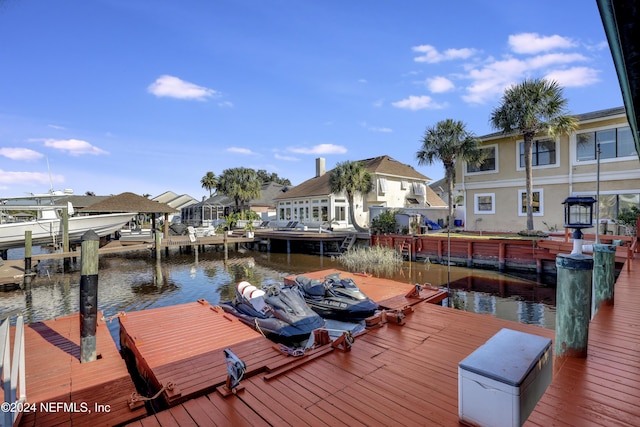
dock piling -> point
(27, 252)
(89, 296)
(573, 304)
(158, 247)
(604, 258)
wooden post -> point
(65, 238)
(604, 265)
(226, 248)
(573, 304)
(27, 253)
(501, 257)
(413, 249)
(469, 254)
(158, 241)
(159, 279)
(88, 296)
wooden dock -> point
(183, 345)
(96, 393)
(408, 375)
(392, 374)
(503, 253)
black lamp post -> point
(578, 214)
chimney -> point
(320, 166)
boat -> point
(278, 311)
(135, 236)
(336, 298)
(47, 227)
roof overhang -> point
(620, 21)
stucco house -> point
(396, 185)
(494, 192)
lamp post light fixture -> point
(578, 214)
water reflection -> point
(135, 282)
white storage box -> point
(501, 382)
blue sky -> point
(147, 96)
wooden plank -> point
(105, 381)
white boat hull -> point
(49, 231)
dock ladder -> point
(348, 242)
(12, 370)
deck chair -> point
(192, 234)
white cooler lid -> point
(507, 357)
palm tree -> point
(352, 178)
(449, 141)
(209, 182)
(531, 107)
(240, 184)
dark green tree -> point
(450, 141)
(267, 177)
(240, 184)
(352, 178)
(529, 108)
(209, 182)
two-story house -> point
(568, 165)
(395, 185)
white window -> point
(613, 143)
(419, 189)
(404, 185)
(490, 162)
(538, 202)
(484, 203)
(382, 185)
(544, 153)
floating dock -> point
(393, 374)
(64, 391)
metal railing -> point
(12, 370)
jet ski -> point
(336, 298)
(279, 312)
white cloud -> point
(28, 178)
(173, 87)
(287, 158)
(225, 104)
(239, 150)
(489, 81)
(363, 81)
(431, 55)
(439, 84)
(20, 154)
(375, 128)
(320, 149)
(57, 127)
(417, 103)
(574, 77)
(379, 129)
(534, 43)
(553, 59)
(75, 147)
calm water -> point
(135, 281)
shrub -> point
(385, 223)
(629, 216)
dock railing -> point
(12, 370)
